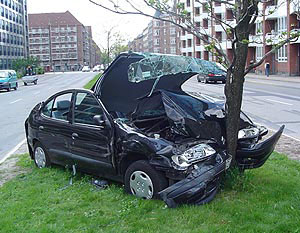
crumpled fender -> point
(197, 188)
(256, 156)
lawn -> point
(91, 83)
(262, 200)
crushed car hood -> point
(133, 75)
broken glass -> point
(154, 66)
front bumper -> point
(258, 154)
(4, 86)
(199, 187)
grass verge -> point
(91, 83)
(262, 200)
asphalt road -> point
(266, 102)
(15, 106)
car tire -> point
(144, 181)
(205, 80)
(25, 84)
(198, 79)
(8, 89)
(40, 156)
(16, 87)
(35, 82)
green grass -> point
(91, 83)
(262, 200)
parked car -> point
(86, 69)
(138, 127)
(212, 73)
(97, 68)
(8, 80)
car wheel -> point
(35, 82)
(25, 84)
(16, 87)
(144, 181)
(40, 156)
(205, 80)
(198, 79)
(9, 87)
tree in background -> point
(245, 14)
(115, 45)
(20, 65)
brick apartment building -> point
(285, 61)
(157, 37)
(13, 31)
(61, 42)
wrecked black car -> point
(137, 126)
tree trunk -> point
(234, 94)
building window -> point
(281, 54)
(156, 32)
(157, 23)
(197, 11)
(188, 3)
(156, 50)
(259, 53)
(173, 31)
(198, 41)
(189, 54)
(189, 42)
(281, 25)
(156, 42)
(217, 3)
(205, 23)
(173, 40)
(218, 19)
(259, 28)
(173, 50)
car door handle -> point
(74, 136)
(41, 127)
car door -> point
(54, 129)
(91, 142)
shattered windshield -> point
(154, 66)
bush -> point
(20, 74)
(40, 70)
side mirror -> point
(99, 120)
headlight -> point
(192, 155)
(248, 133)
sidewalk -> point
(274, 77)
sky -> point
(101, 20)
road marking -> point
(12, 151)
(276, 101)
(15, 101)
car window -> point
(86, 107)
(47, 109)
(61, 107)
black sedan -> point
(139, 128)
(212, 73)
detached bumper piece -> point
(256, 156)
(197, 188)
